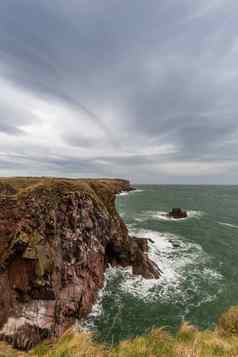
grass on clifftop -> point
(188, 342)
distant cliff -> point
(57, 236)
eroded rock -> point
(56, 239)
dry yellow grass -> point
(188, 342)
(71, 344)
(201, 344)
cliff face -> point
(57, 237)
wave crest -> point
(227, 224)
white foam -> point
(176, 259)
(123, 194)
(96, 311)
(228, 225)
(129, 192)
(185, 267)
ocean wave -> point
(185, 268)
(228, 225)
(182, 263)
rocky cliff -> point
(57, 236)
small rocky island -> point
(57, 237)
(177, 213)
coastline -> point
(57, 237)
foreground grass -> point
(188, 342)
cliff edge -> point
(57, 237)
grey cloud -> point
(168, 70)
(11, 119)
(9, 129)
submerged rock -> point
(57, 237)
(177, 213)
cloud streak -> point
(132, 89)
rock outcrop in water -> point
(177, 213)
(57, 236)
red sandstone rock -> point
(56, 239)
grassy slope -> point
(189, 342)
(22, 183)
(102, 191)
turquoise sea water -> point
(198, 257)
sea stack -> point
(177, 213)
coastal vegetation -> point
(188, 342)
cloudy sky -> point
(143, 89)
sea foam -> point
(185, 268)
(178, 261)
(129, 192)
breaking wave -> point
(182, 263)
(130, 192)
(185, 268)
(123, 194)
(88, 324)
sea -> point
(198, 257)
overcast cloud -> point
(146, 90)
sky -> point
(145, 89)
